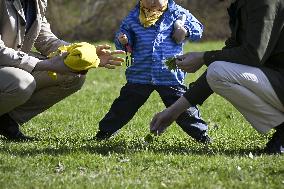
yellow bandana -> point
(149, 17)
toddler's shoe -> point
(102, 135)
(204, 138)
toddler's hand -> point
(123, 39)
(179, 34)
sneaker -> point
(10, 129)
(276, 144)
(102, 135)
(204, 138)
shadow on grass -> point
(62, 147)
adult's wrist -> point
(180, 106)
(209, 57)
(42, 65)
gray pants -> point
(250, 92)
(24, 95)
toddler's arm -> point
(123, 36)
(193, 26)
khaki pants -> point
(24, 95)
(249, 90)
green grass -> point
(66, 157)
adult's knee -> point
(24, 86)
(74, 82)
(216, 74)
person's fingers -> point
(98, 48)
(106, 52)
(117, 52)
(115, 63)
(159, 131)
(104, 46)
(109, 66)
(154, 123)
(118, 59)
(181, 57)
(103, 50)
(180, 63)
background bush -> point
(96, 20)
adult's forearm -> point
(180, 106)
(46, 41)
(43, 65)
(54, 64)
(198, 91)
(18, 59)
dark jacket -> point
(257, 39)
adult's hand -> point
(162, 120)
(107, 58)
(190, 62)
(54, 64)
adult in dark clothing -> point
(248, 71)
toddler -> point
(154, 31)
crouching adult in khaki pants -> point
(25, 87)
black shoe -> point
(204, 138)
(10, 129)
(198, 135)
(102, 135)
(276, 144)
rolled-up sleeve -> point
(194, 27)
(47, 42)
(12, 58)
(125, 29)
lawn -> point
(65, 156)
